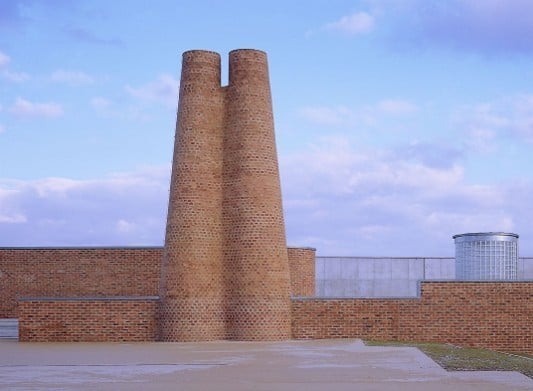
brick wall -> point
(88, 319)
(486, 314)
(76, 272)
(496, 315)
(302, 270)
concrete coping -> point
(455, 281)
(325, 298)
(377, 257)
(89, 298)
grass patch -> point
(456, 358)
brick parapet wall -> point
(96, 319)
(496, 315)
(302, 271)
(99, 271)
(76, 272)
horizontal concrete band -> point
(477, 281)
(351, 257)
(116, 248)
(90, 298)
(376, 298)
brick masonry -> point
(76, 272)
(302, 271)
(225, 271)
(101, 319)
(496, 315)
(192, 285)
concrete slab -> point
(9, 328)
(293, 365)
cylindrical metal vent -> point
(486, 256)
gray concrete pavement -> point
(328, 365)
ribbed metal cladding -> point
(486, 256)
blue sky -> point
(398, 123)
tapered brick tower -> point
(255, 251)
(225, 271)
(192, 283)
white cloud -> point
(25, 108)
(100, 103)
(8, 74)
(107, 108)
(471, 222)
(54, 186)
(396, 106)
(366, 115)
(341, 198)
(121, 209)
(487, 26)
(12, 219)
(354, 24)
(164, 89)
(87, 36)
(9, 213)
(4, 59)
(480, 140)
(521, 122)
(337, 167)
(2, 128)
(327, 115)
(71, 77)
(373, 231)
(125, 227)
(431, 154)
(16, 77)
(509, 117)
(380, 202)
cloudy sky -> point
(398, 123)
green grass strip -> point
(457, 358)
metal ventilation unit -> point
(486, 256)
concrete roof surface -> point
(329, 365)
